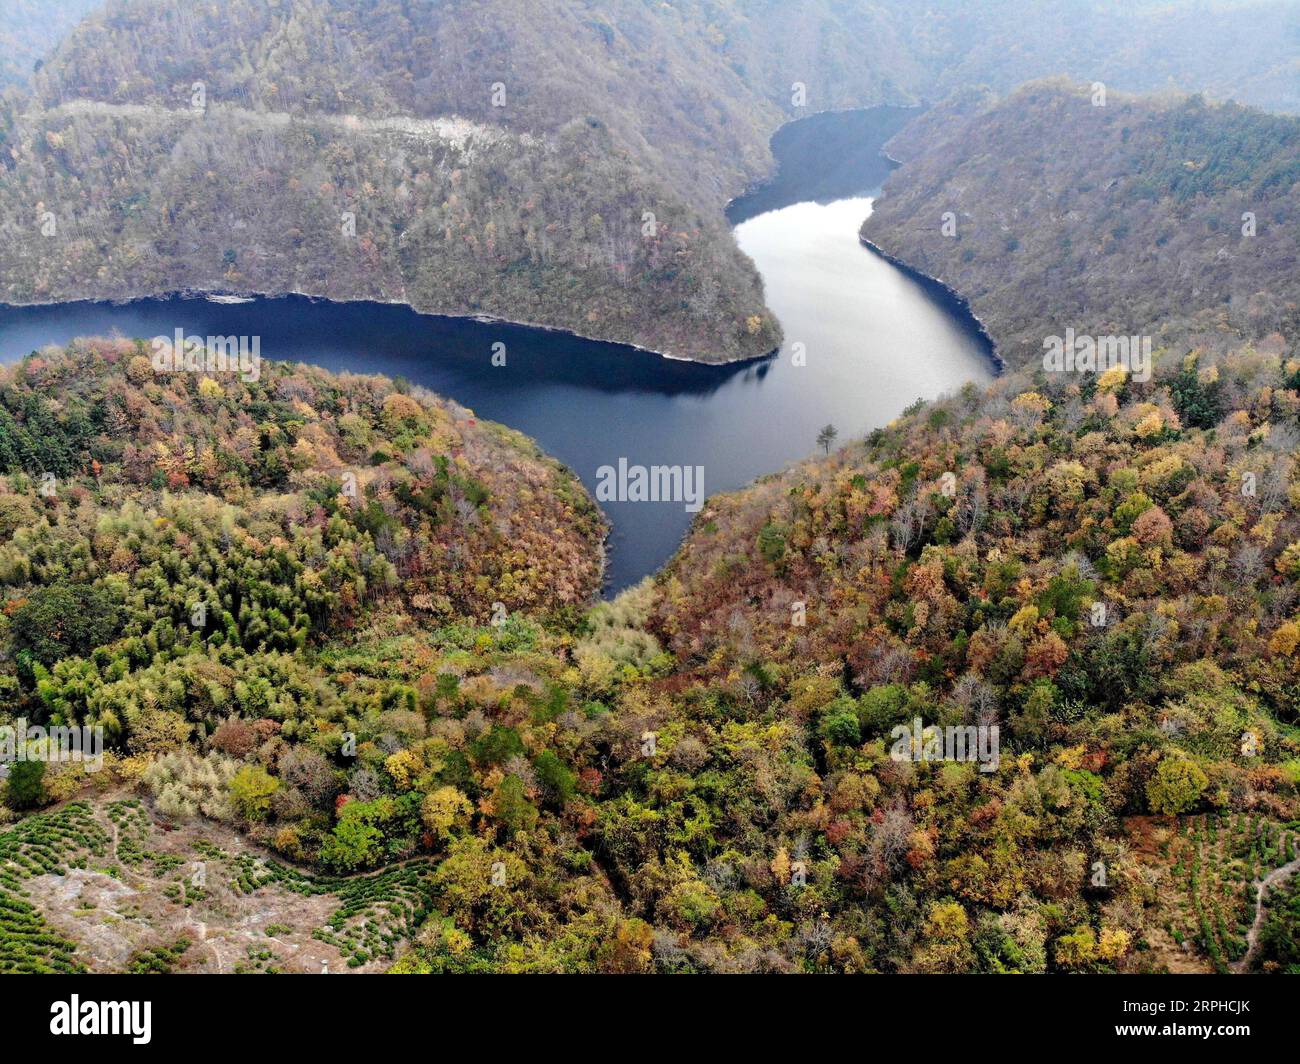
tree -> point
(826, 437)
(310, 773)
(26, 784)
(560, 782)
(1176, 785)
(839, 724)
(946, 938)
(357, 840)
(630, 948)
(62, 621)
(513, 808)
(446, 812)
(771, 542)
(251, 790)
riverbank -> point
(863, 342)
(945, 291)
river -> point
(863, 340)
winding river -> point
(863, 340)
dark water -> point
(873, 341)
(825, 157)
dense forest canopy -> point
(705, 774)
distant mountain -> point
(1071, 563)
(29, 29)
(1171, 216)
(564, 163)
(1243, 50)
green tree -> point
(251, 789)
(26, 784)
(1177, 784)
(62, 621)
(839, 724)
(826, 437)
(771, 542)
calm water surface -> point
(873, 341)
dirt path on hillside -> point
(1261, 893)
(450, 129)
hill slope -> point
(704, 775)
(29, 30)
(1170, 217)
(500, 157)
(1076, 563)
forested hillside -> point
(359, 703)
(1102, 569)
(1239, 50)
(703, 775)
(479, 173)
(562, 163)
(1171, 217)
(449, 216)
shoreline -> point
(248, 296)
(941, 287)
(758, 184)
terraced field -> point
(48, 845)
(1277, 939)
(376, 913)
(106, 885)
(1216, 866)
